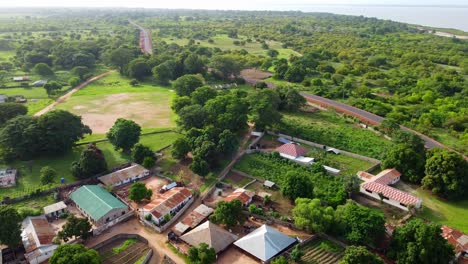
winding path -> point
(64, 97)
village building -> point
(125, 175)
(265, 243)
(459, 241)
(37, 236)
(167, 203)
(210, 234)
(7, 178)
(243, 195)
(39, 83)
(55, 210)
(20, 78)
(377, 186)
(193, 219)
(295, 152)
(98, 205)
(3, 98)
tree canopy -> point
(228, 213)
(124, 134)
(138, 192)
(10, 226)
(75, 254)
(358, 255)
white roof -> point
(256, 134)
(334, 150)
(268, 183)
(331, 170)
(265, 242)
(54, 207)
(304, 159)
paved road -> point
(64, 97)
(146, 44)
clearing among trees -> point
(321, 251)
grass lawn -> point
(224, 42)
(29, 179)
(438, 210)
(103, 101)
(444, 137)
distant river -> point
(434, 16)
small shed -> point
(20, 78)
(269, 184)
(333, 150)
(55, 210)
(39, 83)
(284, 141)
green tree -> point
(228, 213)
(48, 175)
(51, 87)
(138, 192)
(418, 242)
(80, 71)
(203, 254)
(42, 70)
(389, 126)
(91, 162)
(10, 226)
(202, 94)
(124, 134)
(359, 224)
(296, 254)
(140, 152)
(264, 109)
(351, 184)
(290, 99)
(296, 185)
(73, 81)
(228, 142)
(75, 227)
(11, 110)
(193, 64)
(164, 72)
(180, 102)
(149, 162)
(359, 255)
(119, 58)
(227, 65)
(406, 160)
(311, 214)
(19, 138)
(75, 254)
(138, 69)
(186, 85)
(446, 174)
(279, 260)
(192, 116)
(199, 166)
(180, 148)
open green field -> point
(321, 251)
(103, 101)
(224, 42)
(439, 210)
(29, 181)
(330, 129)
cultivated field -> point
(321, 251)
(103, 101)
(125, 251)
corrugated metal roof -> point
(37, 232)
(211, 234)
(193, 219)
(95, 201)
(240, 194)
(167, 201)
(123, 175)
(54, 207)
(265, 242)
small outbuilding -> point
(193, 219)
(7, 178)
(39, 83)
(20, 78)
(55, 210)
(125, 175)
(333, 150)
(268, 184)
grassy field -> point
(439, 210)
(30, 171)
(103, 101)
(224, 42)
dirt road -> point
(146, 44)
(64, 97)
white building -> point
(125, 175)
(168, 203)
(55, 210)
(37, 239)
(378, 187)
(295, 152)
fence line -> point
(143, 134)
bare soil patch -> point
(255, 74)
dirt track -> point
(64, 97)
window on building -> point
(369, 191)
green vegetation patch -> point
(126, 244)
(332, 130)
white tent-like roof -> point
(265, 242)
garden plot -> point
(321, 251)
(123, 251)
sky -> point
(217, 4)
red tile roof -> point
(392, 193)
(458, 239)
(387, 176)
(292, 149)
(167, 201)
(240, 194)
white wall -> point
(387, 201)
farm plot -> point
(123, 251)
(102, 102)
(321, 251)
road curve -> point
(146, 45)
(64, 97)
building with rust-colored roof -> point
(243, 195)
(167, 203)
(291, 150)
(378, 185)
(458, 240)
(125, 175)
(37, 236)
(193, 219)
